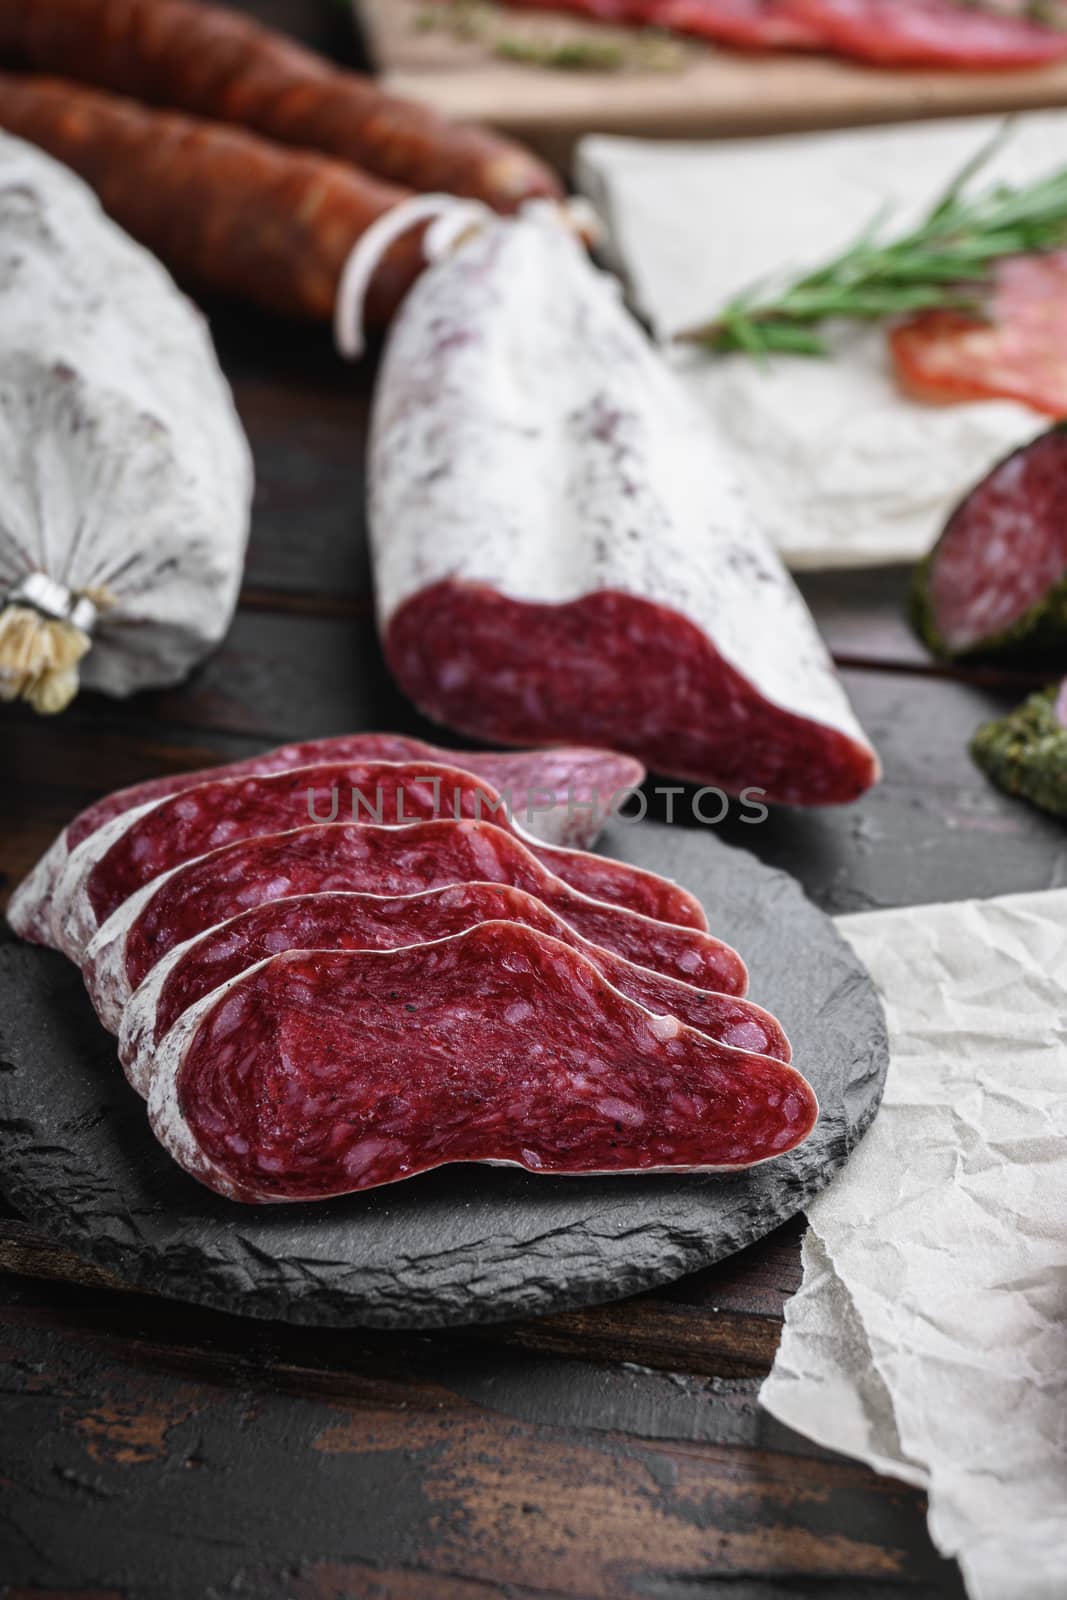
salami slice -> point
(1018, 351)
(139, 846)
(562, 795)
(323, 1073)
(376, 922)
(561, 549)
(745, 24)
(996, 581)
(748, 24)
(928, 33)
(366, 858)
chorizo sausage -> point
(218, 64)
(224, 209)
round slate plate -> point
(466, 1244)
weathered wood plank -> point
(414, 1465)
(721, 1323)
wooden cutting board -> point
(704, 93)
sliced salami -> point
(1017, 351)
(747, 24)
(562, 795)
(139, 846)
(324, 1073)
(561, 549)
(366, 858)
(927, 33)
(996, 581)
(377, 922)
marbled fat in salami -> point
(563, 795)
(376, 922)
(561, 549)
(138, 846)
(996, 581)
(366, 858)
(322, 1073)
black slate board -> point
(466, 1244)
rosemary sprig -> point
(946, 261)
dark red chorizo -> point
(216, 63)
(224, 209)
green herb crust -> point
(1039, 634)
(1025, 753)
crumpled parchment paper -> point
(929, 1338)
(842, 470)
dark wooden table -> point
(152, 1449)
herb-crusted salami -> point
(561, 550)
(996, 581)
(366, 858)
(563, 795)
(140, 846)
(225, 210)
(323, 1073)
(376, 922)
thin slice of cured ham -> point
(141, 845)
(561, 549)
(563, 795)
(376, 922)
(366, 858)
(322, 1073)
(928, 33)
(1016, 351)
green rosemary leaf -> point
(946, 261)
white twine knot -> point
(451, 219)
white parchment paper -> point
(929, 1337)
(843, 470)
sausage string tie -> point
(451, 220)
(45, 630)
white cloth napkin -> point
(844, 470)
(929, 1337)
